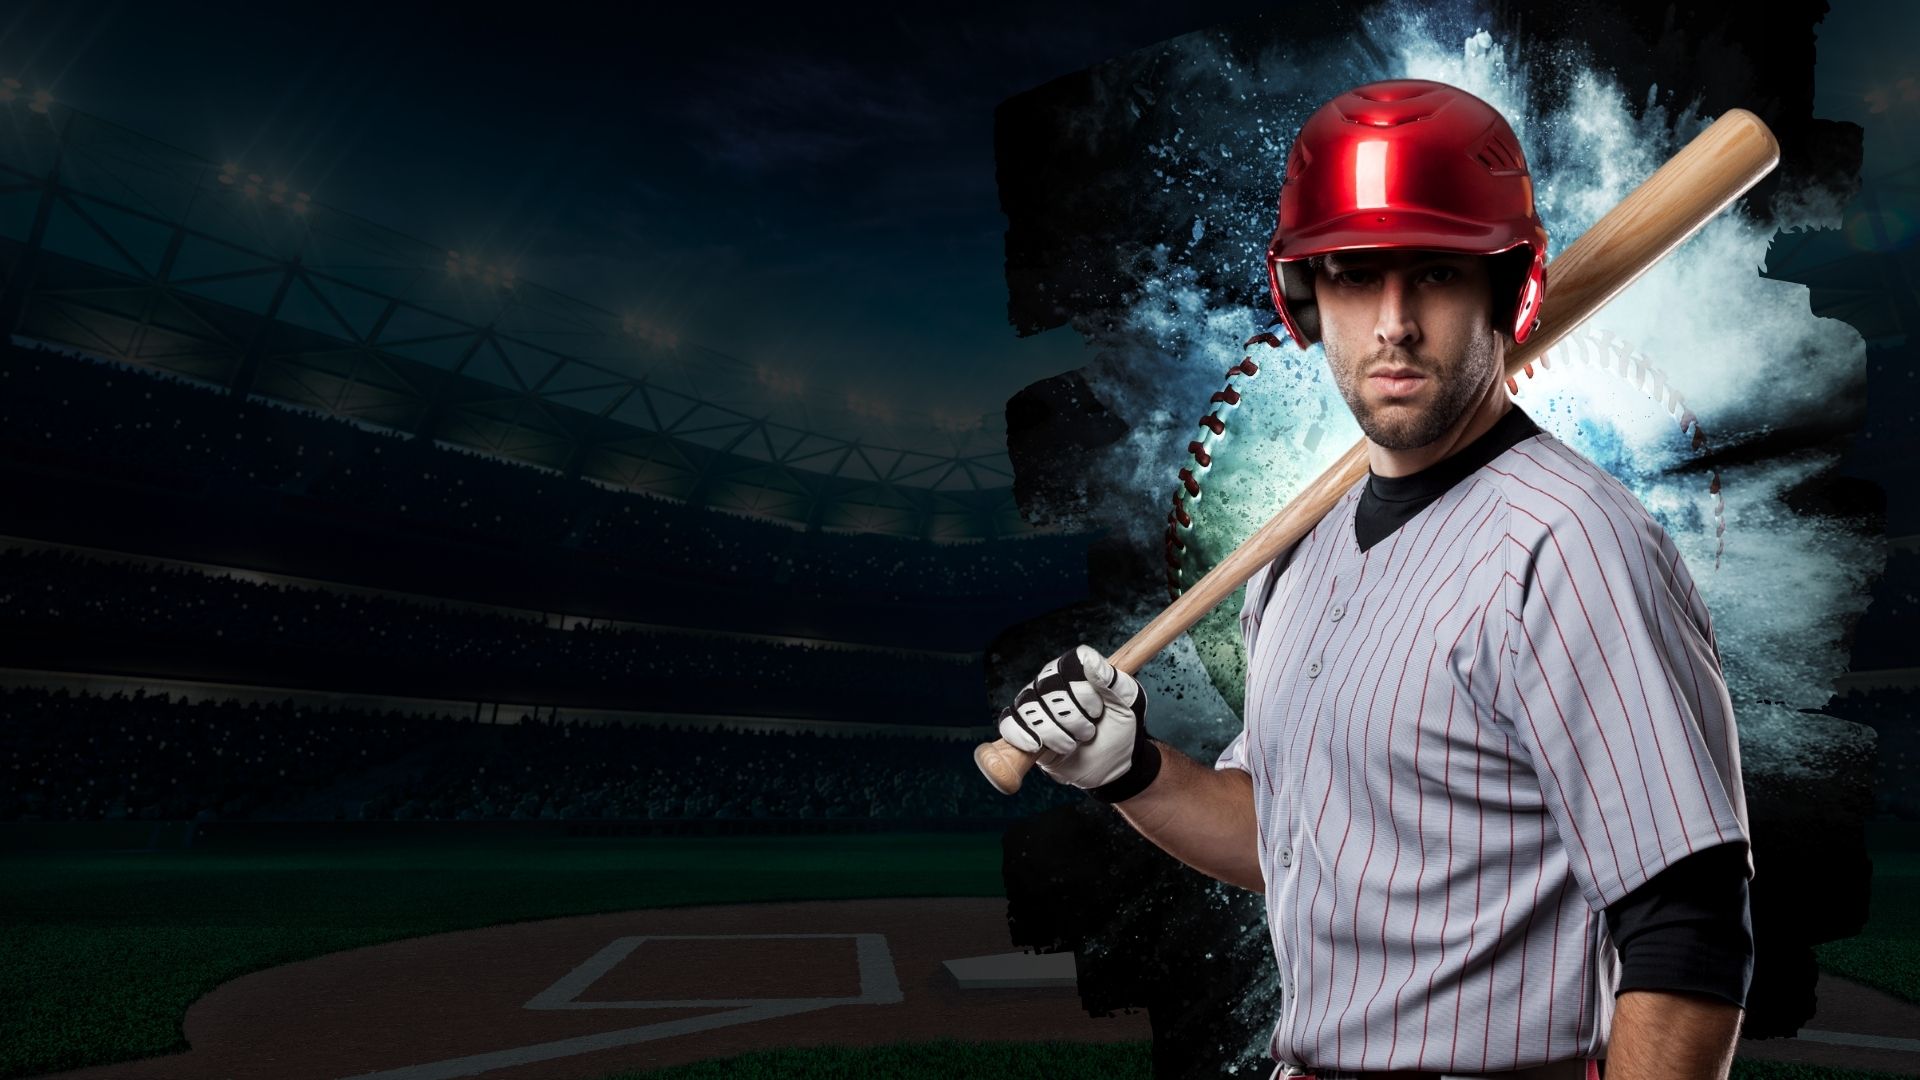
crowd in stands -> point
(828, 566)
(83, 757)
(544, 770)
(136, 422)
(86, 757)
(112, 604)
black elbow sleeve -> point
(1689, 928)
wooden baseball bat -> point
(1707, 174)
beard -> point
(1457, 388)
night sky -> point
(813, 192)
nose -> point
(1394, 323)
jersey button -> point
(1313, 668)
(1338, 610)
(1286, 856)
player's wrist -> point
(1140, 773)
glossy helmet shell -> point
(1405, 163)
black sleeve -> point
(1689, 928)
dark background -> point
(840, 201)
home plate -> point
(1017, 970)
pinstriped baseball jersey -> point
(1466, 740)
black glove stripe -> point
(1029, 695)
(1058, 683)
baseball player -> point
(1489, 779)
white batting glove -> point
(1086, 723)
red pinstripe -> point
(1304, 731)
(1725, 729)
(1659, 629)
(1555, 773)
(1480, 839)
(1526, 938)
(1271, 675)
(1486, 1041)
(1373, 831)
(1446, 908)
(1553, 976)
(1572, 581)
(1699, 704)
(1425, 687)
(1398, 619)
(1586, 938)
(1325, 800)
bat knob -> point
(1003, 764)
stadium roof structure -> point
(119, 245)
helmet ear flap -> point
(1516, 295)
(1296, 283)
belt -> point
(1570, 1069)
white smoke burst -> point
(1704, 315)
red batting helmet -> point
(1407, 163)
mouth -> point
(1396, 382)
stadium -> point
(320, 536)
(412, 670)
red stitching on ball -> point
(1624, 360)
(1178, 518)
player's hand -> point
(1083, 718)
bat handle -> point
(1003, 764)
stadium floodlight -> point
(41, 99)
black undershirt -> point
(1688, 928)
(1388, 502)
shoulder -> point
(1568, 514)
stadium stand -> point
(96, 452)
(146, 425)
(87, 757)
(65, 610)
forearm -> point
(1658, 1035)
(1201, 816)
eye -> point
(1358, 277)
(1447, 273)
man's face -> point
(1427, 312)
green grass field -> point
(1886, 954)
(107, 949)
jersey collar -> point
(1434, 480)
